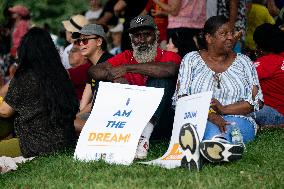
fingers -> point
(223, 129)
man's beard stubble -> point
(148, 55)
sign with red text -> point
(117, 120)
(189, 109)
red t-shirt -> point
(79, 77)
(126, 57)
(21, 28)
(161, 21)
(270, 69)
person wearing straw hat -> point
(74, 24)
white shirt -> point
(236, 83)
(65, 56)
(93, 14)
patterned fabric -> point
(37, 134)
(224, 9)
(233, 85)
(192, 14)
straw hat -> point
(75, 23)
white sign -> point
(189, 109)
(117, 120)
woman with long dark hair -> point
(42, 99)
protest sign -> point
(117, 120)
(189, 109)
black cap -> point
(143, 21)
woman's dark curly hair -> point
(37, 54)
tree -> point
(53, 12)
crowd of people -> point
(233, 48)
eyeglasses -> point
(85, 41)
(217, 78)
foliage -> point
(261, 167)
(52, 12)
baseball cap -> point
(20, 10)
(142, 21)
(90, 29)
(75, 23)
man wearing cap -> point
(146, 65)
(91, 40)
(74, 24)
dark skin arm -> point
(105, 71)
(239, 108)
(219, 121)
(233, 12)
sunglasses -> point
(85, 41)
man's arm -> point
(105, 71)
(101, 71)
(156, 70)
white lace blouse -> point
(231, 86)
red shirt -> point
(161, 21)
(126, 57)
(79, 77)
(270, 69)
(20, 29)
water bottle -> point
(236, 134)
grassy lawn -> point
(261, 167)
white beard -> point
(147, 55)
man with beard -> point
(146, 65)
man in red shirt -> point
(145, 65)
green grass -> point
(261, 167)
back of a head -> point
(38, 55)
(269, 38)
(37, 50)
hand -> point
(157, 12)
(218, 121)
(117, 72)
(217, 106)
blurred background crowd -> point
(17, 16)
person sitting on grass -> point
(270, 69)
(91, 40)
(42, 99)
(146, 65)
(236, 93)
